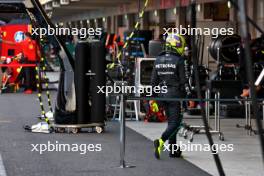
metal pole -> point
(208, 57)
(206, 109)
(123, 134)
(195, 63)
(234, 3)
(215, 111)
(262, 112)
(244, 31)
(47, 22)
(218, 55)
(249, 119)
(246, 113)
(208, 106)
(218, 112)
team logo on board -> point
(19, 36)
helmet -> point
(176, 43)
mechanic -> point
(31, 55)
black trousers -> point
(29, 75)
(29, 78)
(173, 113)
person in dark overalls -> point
(169, 71)
(31, 55)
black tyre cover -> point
(99, 79)
(81, 82)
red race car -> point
(15, 46)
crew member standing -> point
(169, 71)
(31, 55)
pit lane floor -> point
(17, 110)
(244, 160)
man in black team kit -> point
(169, 71)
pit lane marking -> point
(2, 167)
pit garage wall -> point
(162, 13)
(255, 10)
(112, 15)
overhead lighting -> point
(64, 2)
(175, 11)
(155, 13)
(55, 4)
(48, 6)
(229, 4)
(199, 7)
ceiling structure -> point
(67, 9)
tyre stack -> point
(89, 74)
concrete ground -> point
(244, 160)
(18, 159)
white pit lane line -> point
(2, 167)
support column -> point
(130, 21)
(181, 16)
(92, 23)
(259, 14)
(113, 23)
(108, 24)
(88, 23)
(250, 12)
(99, 23)
(161, 20)
(144, 22)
